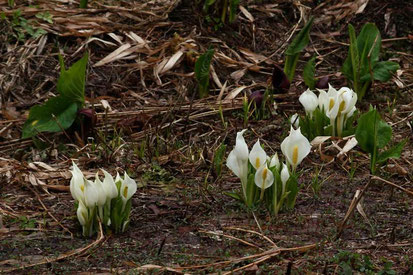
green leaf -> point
(233, 195)
(202, 66)
(301, 40)
(384, 133)
(308, 73)
(71, 83)
(372, 133)
(207, 4)
(219, 159)
(393, 152)
(41, 117)
(83, 4)
(296, 46)
(382, 71)
(362, 57)
(368, 44)
(292, 189)
(233, 10)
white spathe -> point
(91, 194)
(82, 213)
(257, 155)
(237, 160)
(295, 120)
(285, 175)
(274, 161)
(77, 183)
(309, 101)
(109, 186)
(100, 190)
(295, 147)
(264, 178)
(127, 188)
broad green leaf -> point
(384, 133)
(55, 114)
(233, 10)
(301, 40)
(393, 152)
(382, 71)
(308, 73)
(71, 83)
(353, 59)
(372, 132)
(202, 66)
(362, 57)
(296, 46)
(368, 44)
(366, 131)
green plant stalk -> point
(88, 228)
(245, 108)
(354, 54)
(83, 4)
(250, 191)
(224, 11)
(221, 115)
(290, 65)
(373, 156)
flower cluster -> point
(330, 111)
(259, 172)
(107, 201)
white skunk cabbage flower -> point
(257, 155)
(285, 175)
(264, 178)
(237, 160)
(326, 100)
(109, 186)
(100, 190)
(91, 194)
(295, 147)
(82, 213)
(127, 188)
(274, 161)
(309, 101)
(77, 183)
(295, 120)
(347, 100)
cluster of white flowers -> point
(295, 148)
(107, 201)
(338, 106)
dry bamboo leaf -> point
(361, 5)
(359, 206)
(319, 140)
(113, 55)
(350, 144)
(237, 75)
(215, 77)
(106, 105)
(171, 62)
(221, 92)
(233, 94)
(247, 14)
(44, 165)
(157, 69)
(116, 38)
(254, 57)
(32, 180)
